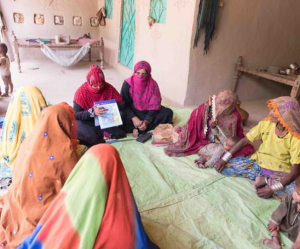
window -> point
(109, 8)
(158, 10)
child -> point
(211, 153)
(5, 70)
(286, 218)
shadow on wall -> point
(265, 89)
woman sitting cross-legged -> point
(276, 164)
(143, 101)
(94, 90)
(23, 111)
(214, 121)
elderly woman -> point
(211, 122)
(93, 90)
(143, 101)
(276, 164)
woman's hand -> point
(273, 227)
(99, 110)
(219, 165)
(143, 126)
(265, 192)
(136, 122)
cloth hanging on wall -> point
(207, 21)
(66, 57)
(101, 14)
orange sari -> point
(43, 164)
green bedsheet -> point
(185, 207)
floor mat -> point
(186, 207)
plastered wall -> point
(66, 8)
(165, 46)
(264, 32)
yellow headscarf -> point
(22, 113)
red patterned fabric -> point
(86, 95)
(192, 136)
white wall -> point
(264, 32)
(67, 8)
(165, 46)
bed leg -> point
(237, 74)
(296, 88)
(90, 54)
(16, 50)
(102, 53)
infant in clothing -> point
(211, 153)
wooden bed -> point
(24, 43)
(290, 80)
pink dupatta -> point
(143, 89)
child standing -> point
(5, 70)
(286, 218)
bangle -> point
(227, 156)
(277, 187)
(266, 181)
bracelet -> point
(91, 112)
(277, 187)
(266, 181)
(227, 156)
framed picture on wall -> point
(58, 20)
(18, 18)
(94, 21)
(39, 19)
(77, 21)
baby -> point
(211, 153)
(5, 69)
(286, 218)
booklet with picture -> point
(110, 119)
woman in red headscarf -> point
(143, 101)
(93, 90)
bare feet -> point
(135, 132)
(5, 95)
(273, 243)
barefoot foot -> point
(135, 133)
(272, 243)
(5, 95)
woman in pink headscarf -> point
(143, 101)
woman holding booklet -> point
(95, 89)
